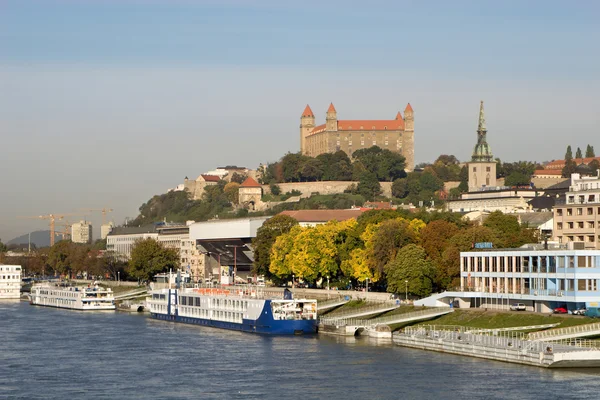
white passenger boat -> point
(72, 297)
(241, 308)
(10, 281)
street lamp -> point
(406, 291)
(327, 286)
(118, 276)
(235, 247)
(293, 277)
(367, 286)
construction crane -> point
(52, 218)
(66, 233)
(104, 211)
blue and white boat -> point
(240, 308)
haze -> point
(106, 103)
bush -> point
(275, 189)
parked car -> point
(580, 311)
(518, 307)
(560, 310)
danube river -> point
(49, 353)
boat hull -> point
(272, 327)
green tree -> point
(311, 170)
(232, 192)
(3, 247)
(446, 168)
(589, 152)
(594, 165)
(266, 235)
(275, 189)
(383, 244)
(411, 271)
(578, 154)
(99, 244)
(400, 188)
(569, 153)
(238, 178)
(386, 165)
(517, 179)
(149, 257)
(368, 186)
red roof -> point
(557, 172)
(399, 116)
(331, 108)
(211, 178)
(249, 182)
(372, 125)
(408, 108)
(308, 112)
(323, 215)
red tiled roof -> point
(249, 182)
(308, 112)
(399, 116)
(210, 178)
(318, 129)
(408, 108)
(560, 164)
(323, 215)
(378, 205)
(331, 108)
(556, 172)
(370, 125)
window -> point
(590, 211)
(570, 224)
(559, 226)
(581, 199)
(591, 238)
(591, 224)
(559, 212)
(488, 169)
(569, 212)
(474, 169)
(580, 238)
(571, 200)
(580, 211)
(580, 225)
(591, 198)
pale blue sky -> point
(106, 103)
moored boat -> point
(241, 308)
(72, 297)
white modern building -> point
(106, 229)
(122, 239)
(10, 281)
(81, 232)
(541, 279)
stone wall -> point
(325, 187)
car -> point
(518, 307)
(560, 310)
(580, 311)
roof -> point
(133, 230)
(542, 202)
(323, 215)
(331, 108)
(225, 249)
(557, 172)
(307, 112)
(399, 116)
(563, 185)
(534, 219)
(250, 182)
(559, 164)
(378, 205)
(210, 178)
(408, 108)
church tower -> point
(307, 124)
(482, 168)
(331, 124)
(408, 138)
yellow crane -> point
(66, 233)
(104, 211)
(52, 218)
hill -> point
(39, 238)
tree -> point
(435, 237)
(368, 186)
(99, 244)
(3, 247)
(569, 168)
(517, 179)
(411, 271)
(400, 188)
(238, 178)
(265, 238)
(578, 154)
(382, 242)
(110, 263)
(311, 170)
(589, 152)
(594, 165)
(446, 167)
(149, 257)
(569, 153)
(275, 189)
(232, 192)
(386, 165)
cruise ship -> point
(72, 297)
(241, 308)
(10, 281)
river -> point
(49, 353)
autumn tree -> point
(238, 178)
(265, 238)
(150, 257)
(231, 192)
(410, 270)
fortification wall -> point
(324, 187)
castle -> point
(349, 135)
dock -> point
(508, 346)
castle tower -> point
(331, 124)
(482, 168)
(307, 124)
(408, 140)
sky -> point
(105, 103)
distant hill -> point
(39, 238)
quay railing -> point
(506, 339)
(374, 307)
(388, 319)
(577, 330)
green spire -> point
(482, 151)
